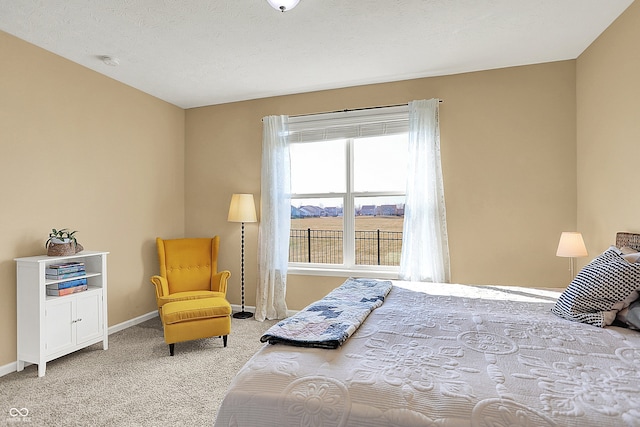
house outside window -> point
(348, 181)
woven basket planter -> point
(63, 249)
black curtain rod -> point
(346, 110)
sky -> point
(380, 164)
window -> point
(348, 180)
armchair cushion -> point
(204, 308)
(188, 295)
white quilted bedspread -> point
(451, 355)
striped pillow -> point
(601, 289)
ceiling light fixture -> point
(110, 60)
(283, 5)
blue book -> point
(65, 275)
(68, 267)
(59, 271)
(67, 291)
(68, 284)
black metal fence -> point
(374, 247)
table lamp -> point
(571, 246)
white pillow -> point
(630, 254)
(632, 258)
(628, 250)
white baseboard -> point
(235, 308)
(8, 369)
(133, 322)
(251, 309)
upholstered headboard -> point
(628, 239)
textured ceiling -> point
(202, 52)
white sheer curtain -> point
(425, 247)
(275, 221)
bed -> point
(452, 355)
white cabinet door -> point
(72, 320)
(88, 316)
(59, 323)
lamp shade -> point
(242, 208)
(283, 5)
(571, 245)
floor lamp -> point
(571, 246)
(242, 209)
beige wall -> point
(608, 132)
(83, 151)
(508, 152)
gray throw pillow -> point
(630, 316)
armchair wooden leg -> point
(171, 346)
(224, 340)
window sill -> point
(343, 272)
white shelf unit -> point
(53, 326)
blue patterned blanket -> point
(328, 323)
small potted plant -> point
(62, 242)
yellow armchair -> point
(190, 291)
(189, 270)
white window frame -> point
(348, 125)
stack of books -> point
(66, 270)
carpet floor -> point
(134, 383)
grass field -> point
(325, 239)
(363, 223)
